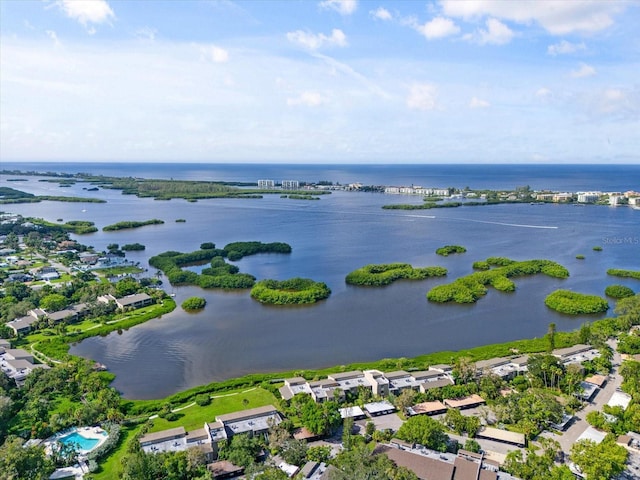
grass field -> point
(112, 466)
(195, 416)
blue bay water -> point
(343, 231)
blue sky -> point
(329, 81)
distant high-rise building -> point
(290, 184)
(266, 184)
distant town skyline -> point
(326, 81)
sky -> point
(320, 81)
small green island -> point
(11, 195)
(385, 274)
(133, 247)
(449, 249)
(470, 288)
(131, 224)
(618, 291)
(295, 291)
(573, 303)
(219, 274)
(193, 304)
(616, 272)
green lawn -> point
(112, 465)
(195, 417)
(118, 270)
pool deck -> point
(95, 433)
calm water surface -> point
(235, 335)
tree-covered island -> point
(220, 274)
(470, 288)
(574, 303)
(295, 291)
(131, 224)
(385, 274)
(449, 249)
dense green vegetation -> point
(597, 248)
(422, 206)
(300, 197)
(573, 303)
(185, 189)
(220, 274)
(131, 224)
(384, 274)
(624, 273)
(618, 291)
(470, 288)
(236, 250)
(10, 195)
(194, 303)
(580, 257)
(425, 431)
(133, 247)
(79, 227)
(287, 292)
(449, 249)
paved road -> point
(579, 425)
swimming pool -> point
(84, 444)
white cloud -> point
(146, 33)
(422, 97)
(308, 99)
(543, 92)
(87, 11)
(613, 103)
(497, 33)
(343, 7)
(381, 14)
(218, 55)
(439, 27)
(556, 17)
(314, 41)
(584, 71)
(564, 48)
(478, 103)
(54, 37)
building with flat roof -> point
(254, 421)
(504, 436)
(597, 380)
(619, 399)
(378, 382)
(162, 436)
(293, 386)
(22, 325)
(323, 390)
(350, 381)
(427, 408)
(354, 412)
(470, 401)
(569, 351)
(439, 383)
(374, 409)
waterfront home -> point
(135, 301)
(22, 325)
(255, 421)
(378, 382)
(350, 381)
(293, 386)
